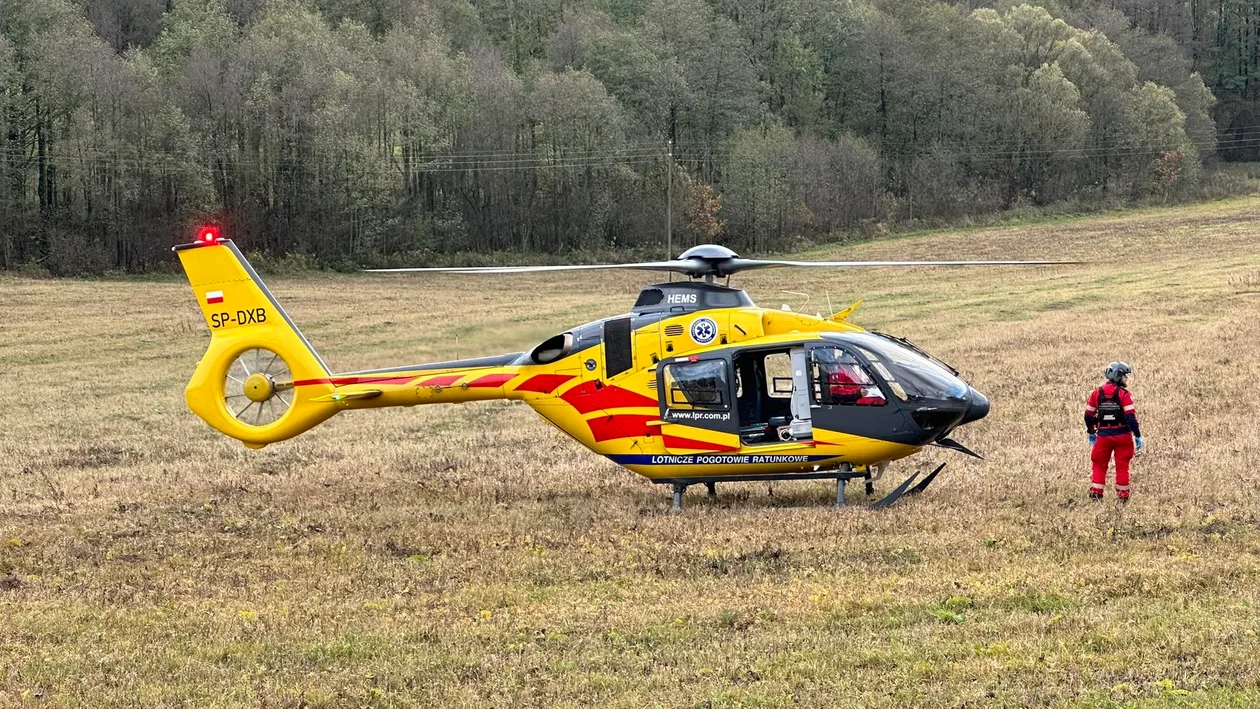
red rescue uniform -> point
(1111, 415)
(849, 385)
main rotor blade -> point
(700, 266)
(747, 264)
(689, 266)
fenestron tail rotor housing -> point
(258, 387)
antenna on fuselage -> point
(803, 295)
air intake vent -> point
(673, 330)
(931, 419)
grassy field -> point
(472, 555)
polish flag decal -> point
(214, 296)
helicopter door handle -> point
(656, 424)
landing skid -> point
(841, 476)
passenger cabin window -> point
(697, 385)
(779, 375)
(839, 379)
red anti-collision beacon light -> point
(208, 235)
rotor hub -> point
(259, 387)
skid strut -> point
(680, 488)
(895, 494)
(843, 474)
(906, 489)
(927, 481)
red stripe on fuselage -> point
(606, 428)
(490, 381)
(544, 383)
(688, 444)
(442, 381)
(586, 398)
(342, 381)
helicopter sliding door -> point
(772, 395)
(698, 405)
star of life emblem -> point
(703, 330)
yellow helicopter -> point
(695, 384)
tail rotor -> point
(258, 387)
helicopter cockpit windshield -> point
(911, 376)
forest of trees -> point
(388, 131)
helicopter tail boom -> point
(260, 381)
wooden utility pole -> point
(669, 203)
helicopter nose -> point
(977, 406)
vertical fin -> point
(244, 316)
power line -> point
(1004, 144)
(1255, 136)
(1082, 153)
(540, 163)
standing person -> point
(1111, 421)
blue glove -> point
(1140, 444)
(1093, 438)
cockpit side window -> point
(885, 374)
(839, 379)
(649, 297)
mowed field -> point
(474, 556)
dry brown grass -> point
(474, 556)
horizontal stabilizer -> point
(350, 396)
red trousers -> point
(1100, 456)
